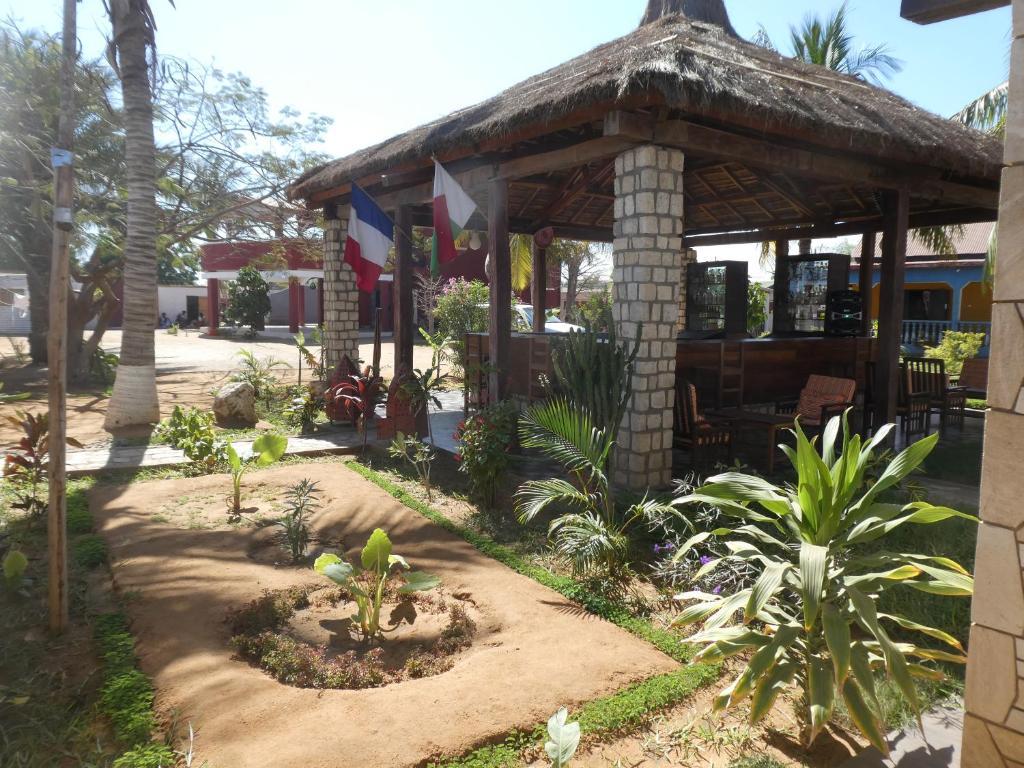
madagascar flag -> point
(452, 209)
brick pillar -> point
(341, 297)
(994, 724)
(646, 265)
(688, 258)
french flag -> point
(370, 236)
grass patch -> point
(88, 551)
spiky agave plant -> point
(811, 618)
(595, 534)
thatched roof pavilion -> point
(774, 150)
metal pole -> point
(63, 218)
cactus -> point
(595, 374)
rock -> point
(235, 405)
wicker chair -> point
(928, 375)
(707, 440)
(822, 398)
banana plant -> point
(266, 449)
(367, 584)
(563, 738)
(811, 617)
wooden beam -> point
(528, 165)
(575, 186)
(539, 287)
(930, 11)
(825, 228)
(758, 153)
(895, 208)
(780, 288)
(500, 319)
(401, 301)
(867, 268)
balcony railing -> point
(921, 333)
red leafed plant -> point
(26, 463)
(355, 397)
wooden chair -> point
(707, 440)
(928, 375)
(822, 398)
(974, 377)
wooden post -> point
(300, 295)
(895, 215)
(63, 221)
(293, 305)
(499, 331)
(780, 289)
(212, 305)
(867, 269)
(401, 299)
(320, 301)
(539, 287)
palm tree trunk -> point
(134, 400)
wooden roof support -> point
(402, 303)
(895, 218)
(539, 287)
(499, 336)
(867, 263)
(926, 183)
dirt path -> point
(535, 651)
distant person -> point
(165, 321)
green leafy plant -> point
(484, 444)
(595, 374)
(25, 465)
(757, 312)
(595, 535)
(266, 449)
(304, 407)
(417, 453)
(248, 300)
(14, 396)
(563, 738)
(103, 365)
(14, 566)
(192, 431)
(811, 617)
(258, 373)
(316, 364)
(596, 310)
(367, 584)
(421, 388)
(955, 347)
(301, 501)
(461, 309)
(173, 329)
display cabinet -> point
(716, 300)
(808, 282)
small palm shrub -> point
(810, 619)
(484, 444)
(594, 535)
(258, 373)
(417, 453)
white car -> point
(524, 318)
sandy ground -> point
(535, 650)
(189, 370)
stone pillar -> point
(647, 262)
(341, 297)
(689, 257)
(994, 725)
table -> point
(755, 421)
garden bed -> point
(184, 568)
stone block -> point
(1006, 368)
(1013, 143)
(999, 598)
(646, 156)
(1010, 744)
(992, 674)
(1009, 281)
(978, 750)
(1001, 487)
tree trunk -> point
(134, 399)
(572, 279)
(37, 273)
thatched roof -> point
(695, 69)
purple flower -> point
(665, 546)
(705, 559)
(717, 590)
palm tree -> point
(134, 400)
(830, 44)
